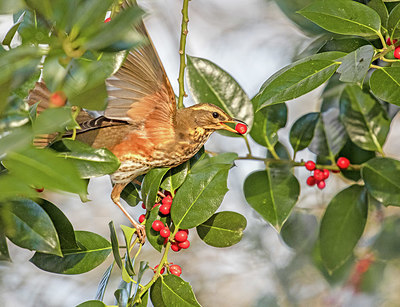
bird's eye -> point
(215, 114)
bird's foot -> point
(141, 233)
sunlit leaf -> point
(223, 229)
(177, 292)
(93, 250)
(90, 162)
(343, 17)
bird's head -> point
(209, 116)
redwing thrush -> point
(141, 124)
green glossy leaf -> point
(93, 250)
(151, 184)
(63, 226)
(43, 168)
(365, 120)
(223, 229)
(4, 255)
(201, 194)
(387, 242)
(155, 294)
(272, 193)
(122, 293)
(394, 23)
(131, 195)
(144, 300)
(380, 7)
(381, 177)
(343, 17)
(355, 65)
(356, 155)
(54, 120)
(119, 33)
(90, 162)
(330, 134)
(115, 245)
(15, 139)
(300, 231)
(10, 186)
(153, 236)
(101, 288)
(177, 292)
(210, 83)
(267, 122)
(346, 45)
(11, 33)
(30, 227)
(175, 177)
(128, 234)
(281, 151)
(342, 226)
(385, 84)
(302, 131)
(290, 8)
(296, 81)
(92, 303)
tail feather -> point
(40, 93)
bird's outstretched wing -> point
(140, 93)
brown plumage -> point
(141, 124)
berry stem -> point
(182, 52)
(246, 140)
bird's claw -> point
(141, 233)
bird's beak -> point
(233, 121)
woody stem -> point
(182, 52)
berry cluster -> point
(320, 175)
(173, 269)
(180, 240)
(396, 50)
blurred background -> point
(251, 40)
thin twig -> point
(182, 52)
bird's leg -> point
(115, 196)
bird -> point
(141, 124)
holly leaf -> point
(302, 131)
(385, 84)
(342, 226)
(177, 292)
(355, 65)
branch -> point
(182, 52)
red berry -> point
(397, 53)
(165, 241)
(58, 99)
(321, 184)
(143, 206)
(181, 236)
(241, 128)
(184, 244)
(142, 218)
(167, 200)
(175, 247)
(185, 230)
(389, 41)
(311, 181)
(161, 271)
(157, 225)
(175, 270)
(165, 209)
(165, 232)
(39, 190)
(326, 173)
(156, 204)
(343, 163)
(310, 165)
(107, 20)
(318, 175)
